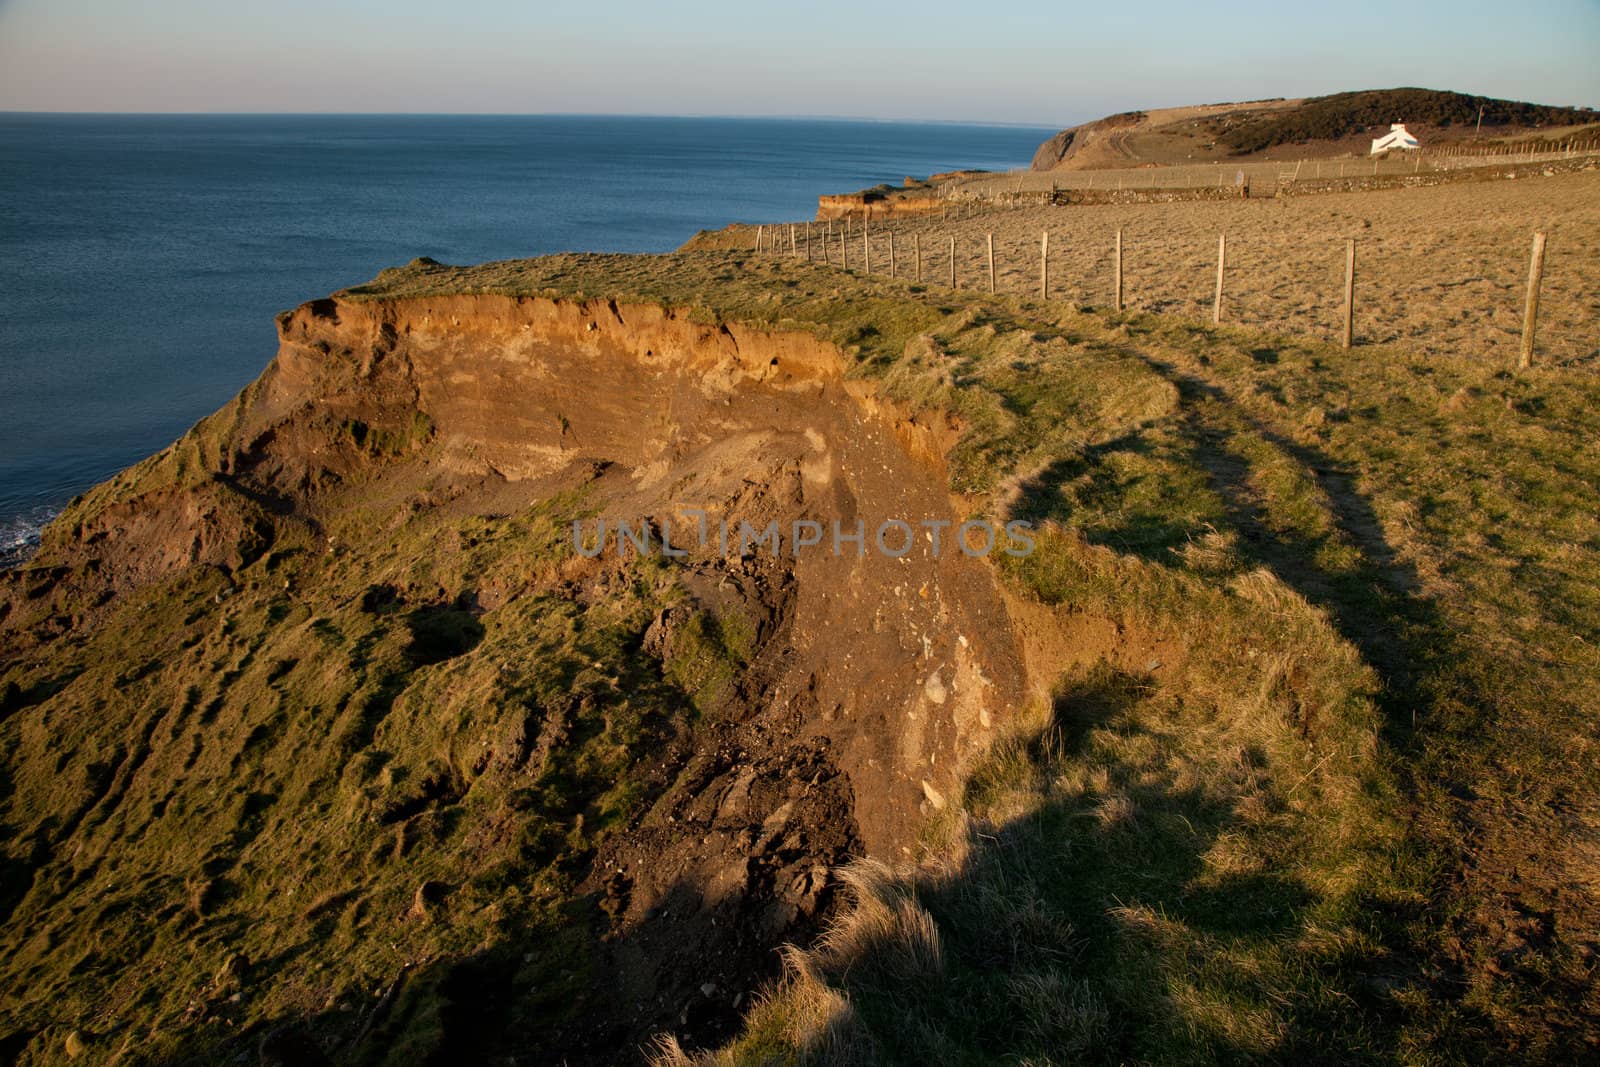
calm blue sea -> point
(142, 258)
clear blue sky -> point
(1036, 61)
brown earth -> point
(739, 424)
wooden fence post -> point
(1117, 273)
(991, 263)
(1044, 265)
(1349, 293)
(808, 242)
(892, 272)
(952, 262)
(792, 250)
(844, 251)
(1530, 313)
(916, 248)
(866, 247)
(758, 238)
(1222, 259)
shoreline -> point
(199, 296)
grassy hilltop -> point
(1318, 126)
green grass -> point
(1325, 791)
(321, 736)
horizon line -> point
(527, 114)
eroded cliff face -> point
(906, 663)
(378, 679)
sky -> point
(1044, 62)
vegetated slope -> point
(1319, 125)
(372, 766)
(1329, 118)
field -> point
(1441, 271)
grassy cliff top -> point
(1315, 776)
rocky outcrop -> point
(1091, 143)
(1051, 154)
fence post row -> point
(773, 241)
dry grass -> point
(1441, 271)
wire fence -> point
(1411, 287)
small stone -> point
(75, 1045)
(709, 989)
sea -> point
(142, 258)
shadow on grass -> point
(1151, 509)
(1376, 604)
(1438, 702)
(1106, 922)
(1138, 510)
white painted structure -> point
(1397, 137)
